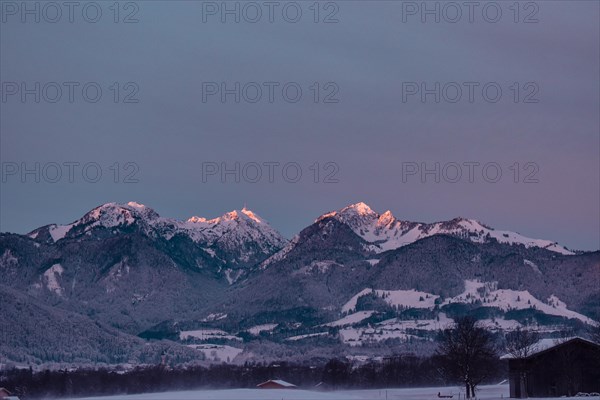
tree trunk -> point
(468, 390)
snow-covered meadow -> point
(490, 392)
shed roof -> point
(547, 344)
(278, 382)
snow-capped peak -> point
(386, 218)
(253, 216)
(238, 231)
(385, 232)
(111, 215)
(234, 215)
(359, 208)
(136, 205)
(195, 220)
(231, 215)
(237, 239)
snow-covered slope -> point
(505, 299)
(486, 293)
(257, 329)
(400, 298)
(385, 232)
(52, 277)
(351, 318)
(217, 352)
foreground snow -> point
(484, 392)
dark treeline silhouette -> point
(397, 371)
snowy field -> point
(484, 392)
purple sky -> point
(370, 134)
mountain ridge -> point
(388, 232)
(385, 231)
(127, 268)
(219, 237)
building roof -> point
(547, 344)
(278, 382)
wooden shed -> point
(556, 368)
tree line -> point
(397, 371)
(467, 354)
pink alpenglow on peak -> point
(360, 208)
(386, 232)
(195, 220)
(386, 218)
(229, 216)
(253, 216)
(136, 205)
(233, 229)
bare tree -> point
(468, 352)
(594, 333)
(565, 334)
(520, 344)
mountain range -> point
(132, 285)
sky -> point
(294, 109)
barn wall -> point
(563, 371)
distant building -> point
(276, 384)
(6, 395)
(554, 369)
